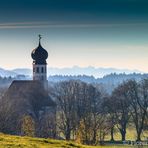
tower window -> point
(37, 69)
(42, 69)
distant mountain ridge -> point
(89, 71)
(73, 71)
(108, 81)
(7, 73)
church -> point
(31, 98)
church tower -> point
(39, 56)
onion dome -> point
(39, 54)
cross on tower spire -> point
(40, 37)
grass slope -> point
(8, 141)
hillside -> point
(9, 141)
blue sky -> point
(100, 33)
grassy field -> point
(7, 141)
(130, 135)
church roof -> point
(27, 97)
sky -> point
(99, 33)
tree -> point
(79, 103)
(143, 101)
(91, 115)
(28, 126)
(67, 94)
(121, 108)
(109, 109)
(80, 134)
(46, 124)
(137, 94)
(8, 117)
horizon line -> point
(74, 66)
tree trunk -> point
(139, 135)
(94, 137)
(112, 134)
(123, 134)
(139, 131)
(68, 131)
(68, 135)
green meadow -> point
(9, 141)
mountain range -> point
(108, 78)
(73, 71)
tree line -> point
(86, 113)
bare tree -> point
(121, 108)
(143, 101)
(138, 102)
(109, 109)
(80, 104)
(66, 96)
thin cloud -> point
(24, 25)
